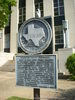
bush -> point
(70, 65)
(72, 77)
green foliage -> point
(72, 78)
(5, 11)
(70, 64)
(17, 98)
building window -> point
(58, 35)
(22, 15)
(39, 5)
(22, 11)
(58, 7)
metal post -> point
(36, 94)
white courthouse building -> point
(60, 14)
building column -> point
(49, 11)
(30, 9)
(14, 28)
(70, 16)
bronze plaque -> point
(36, 71)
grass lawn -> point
(17, 98)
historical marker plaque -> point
(35, 35)
(36, 71)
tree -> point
(5, 11)
(70, 65)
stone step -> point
(62, 76)
(9, 66)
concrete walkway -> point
(8, 88)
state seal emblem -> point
(35, 35)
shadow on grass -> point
(64, 95)
(68, 94)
